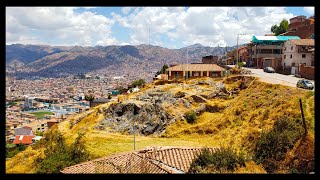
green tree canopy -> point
(163, 70)
(282, 28)
(140, 82)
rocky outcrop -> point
(137, 117)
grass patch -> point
(222, 160)
(41, 114)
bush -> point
(272, 146)
(191, 117)
(219, 161)
(140, 82)
(58, 154)
(12, 151)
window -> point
(291, 47)
(276, 51)
(284, 56)
(303, 55)
(214, 74)
(196, 74)
(290, 56)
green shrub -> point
(191, 117)
(219, 161)
(140, 82)
(13, 150)
(268, 91)
(58, 154)
(272, 146)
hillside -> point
(58, 61)
(231, 111)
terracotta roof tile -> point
(23, 139)
(162, 160)
(303, 42)
(196, 67)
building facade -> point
(296, 52)
(267, 51)
(210, 59)
(185, 71)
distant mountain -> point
(57, 61)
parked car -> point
(269, 70)
(304, 83)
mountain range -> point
(25, 61)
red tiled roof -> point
(196, 67)
(25, 139)
(157, 160)
(303, 42)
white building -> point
(295, 52)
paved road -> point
(274, 78)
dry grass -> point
(23, 161)
(239, 124)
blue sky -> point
(171, 27)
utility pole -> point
(187, 63)
(134, 136)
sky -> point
(170, 27)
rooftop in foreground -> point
(156, 160)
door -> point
(293, 70)
(267, 63)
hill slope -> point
(56, 61)
(235, 116)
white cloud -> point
(56, 25)
(309, 10)
(209, 26)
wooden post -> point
(304, 121)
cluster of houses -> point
(288, 53)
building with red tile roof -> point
(23, 139)
(160, 160)
(182, 71)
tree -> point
(90, 98)
(163, 70)
(58, 154)
(282, 28)
(140, 82)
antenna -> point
(149, 35)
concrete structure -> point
(23, 131)
(297, 52)
(306, 71)
(97, 102)
(210, 59)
